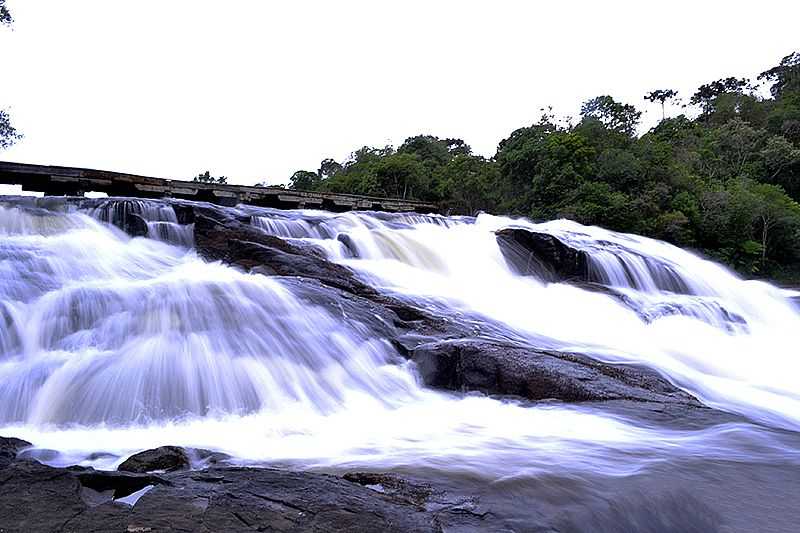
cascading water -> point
(726, 340)
(114, 343)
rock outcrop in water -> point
(39, 498)
(220, 236)
(529, 253)
(165, 458)
(493, 368)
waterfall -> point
(726, 340)
(113, 342)
(160, 220)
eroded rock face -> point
(529, 253)
(492, 368)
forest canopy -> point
(725, 181)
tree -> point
(206, 177)
(433, 150)
(773, 211)
(469, 184)
(778, 154)
(662, 96)
(734, 145)
(8, 133)
(707, 93)
(5, 15)
(304, 180)
(328, 168)
(785, 77)
(622, 118)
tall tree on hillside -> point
(785, 77)
(622, 118)
(662, 96)
(705, 94)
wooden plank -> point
(45, 178)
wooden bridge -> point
(70, 181)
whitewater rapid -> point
(730, 342)
(110, 343)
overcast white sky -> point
(257, 89)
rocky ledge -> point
(38, 498)
(493, 368)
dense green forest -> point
(725, 182)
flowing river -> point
(110, 344)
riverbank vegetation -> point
(723, 178)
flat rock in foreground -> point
(35, 497)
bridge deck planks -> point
(59, 181)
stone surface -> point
(9, 448)
(492, 368)
(35, 497)
(529, 253)
(164, 458)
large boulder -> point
(493, 368)
(164, 458)
(220, 236)
(530, 253)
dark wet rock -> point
(348, 243)
(529, 253)
(202, 458)
(134, 225)
(401, 488)
(35, 497)
(118, 484)
(10, 448)
(491, 368)
(221, 237)
(39, 454)
(164, 458)
(671, 415)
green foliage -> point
(8, 133)
(707, 94)
(5, 15)
(662, 96)
(622, 118)
(206, 177)
(785, 77)
(304, 180)
(725, 183)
